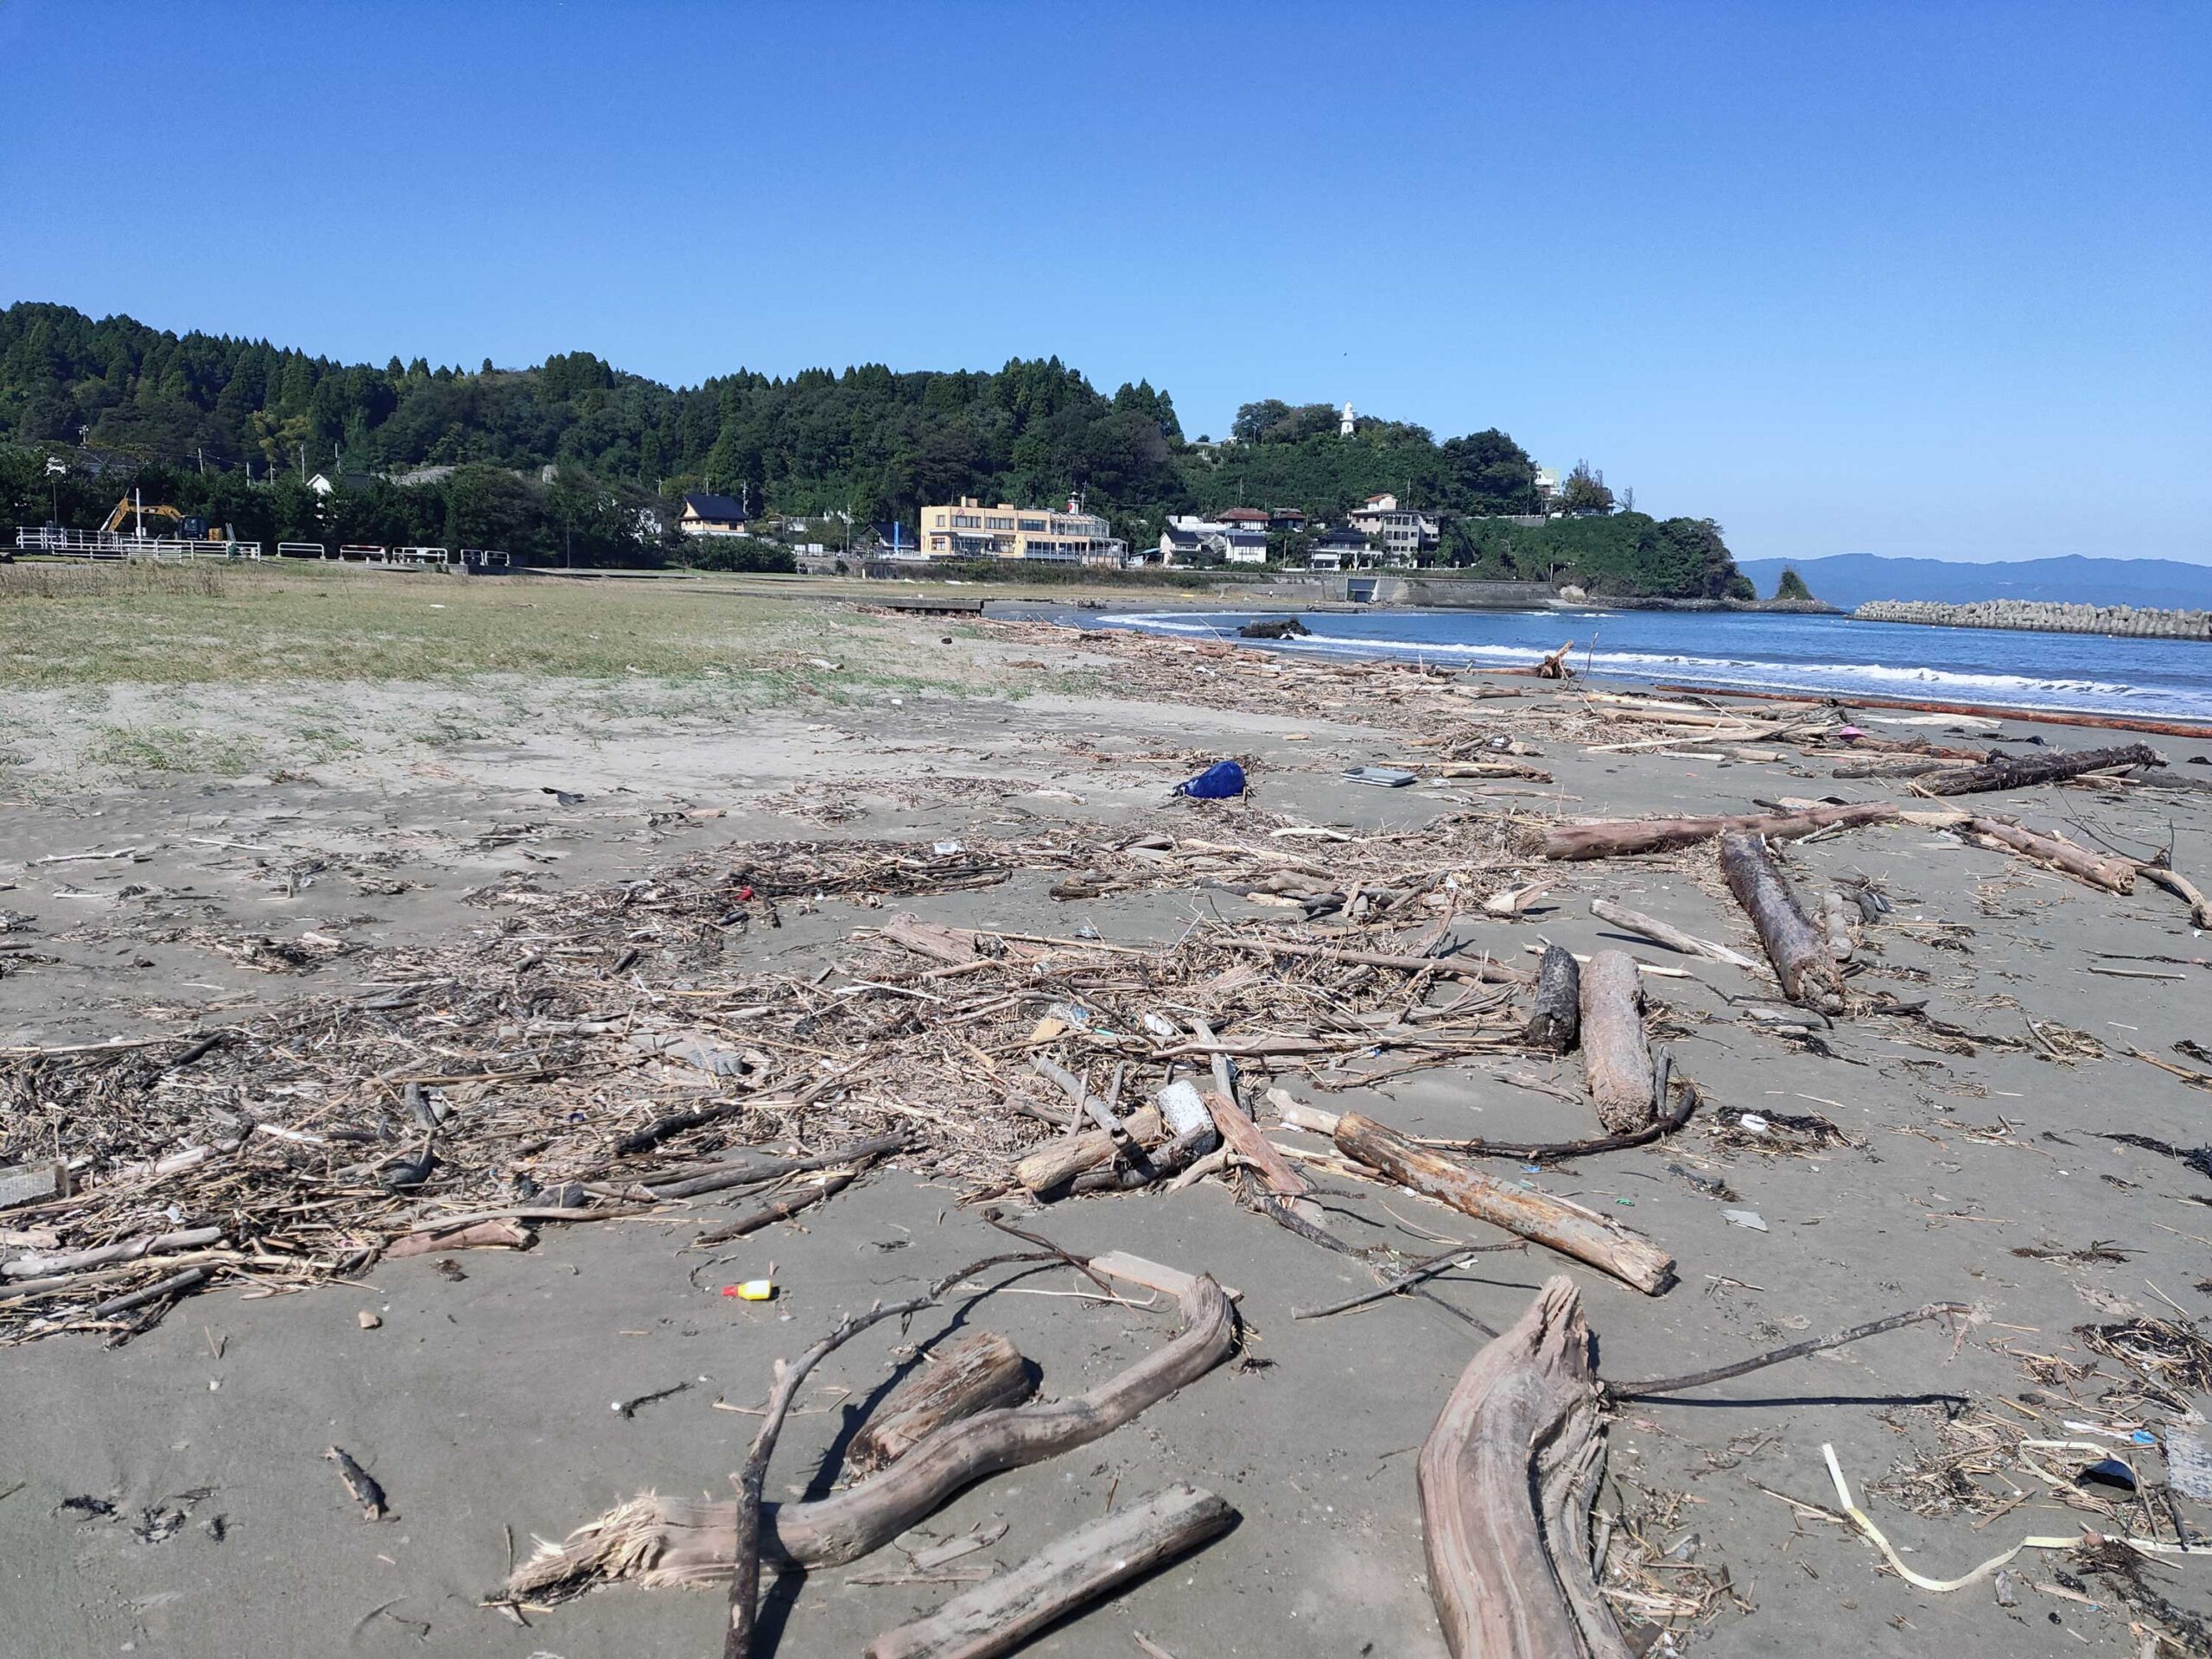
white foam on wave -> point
(1872, 679)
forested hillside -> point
(197, 415)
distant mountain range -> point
(1851, 579)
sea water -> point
(2159, 679)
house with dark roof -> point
(712, 515)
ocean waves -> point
(1820, 655)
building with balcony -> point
(968, 529)
(1405, 535)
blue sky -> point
(1928, 279)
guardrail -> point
(109, 545)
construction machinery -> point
(134, 505)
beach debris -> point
(663, 1542)
(1555, 1014)
(1750, 1219)
(1622, 837)
(630, 1407)
(979, 1370)
(1554, 666)
(751, 1290)
(1557, 1224)
(2113, 874)
(1616, 1055)
(1682, 1093)
(1838, 927)
(1798, 951)
(1001, 1614)
(1673, 937)
(2001, 773)
(32, 1183)
(1381, 777)
(477, 1236)
(1219, 782)
(367, 1320)
(2188, 1465)
(1507, 1478)
(359, 1483)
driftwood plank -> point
(1552, 1221)
(1000, 1615)
(1667, 934)
(1616, 1058)
(1507, 1477)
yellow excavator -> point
(128, 505)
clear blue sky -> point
(1926, 278)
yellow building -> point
(968, 529)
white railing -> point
(111, 545)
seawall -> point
(2044, 616)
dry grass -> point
(73, 625)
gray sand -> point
(483, 1405)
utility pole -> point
(304, 463)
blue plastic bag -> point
(1217, 783)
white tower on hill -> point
(1346, 423)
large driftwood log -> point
(2113, 874)
(1618, 837)
(980, 1371)
(1555, 1021)
(999, 1614)
(1552, 1221)
(1062, 1160)
(1891, 766)
(1667, 934)
(2002, 772)
(1798, 950)
(663, 1542)
(1616, 1058)
(1243, 1138)
(1507, 1478)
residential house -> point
(1337, 550)
(1288, 518)
(1405, 533)
(705, 514)
(1243, 518)
(968, 529)
(1245, 547)
(331, 482)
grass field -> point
(114, 625)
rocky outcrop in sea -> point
(2044, 616)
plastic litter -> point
(1753, 1122)
(1750, 1219)
(1219, 782)
(753, 1290)
(1381, 777)
(2107, 1471)
(2188, 1465)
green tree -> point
(1791, 586)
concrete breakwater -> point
(2044, 616)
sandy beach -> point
(278, 850)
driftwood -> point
(998, 1616)
(38, 1267)
(1555, 1021)
(476, 1236)
(1891, 766)
(2200, 907)
(668, 1541)
(1667, 934)
(1507, 1478)
(777, 1210)
(1554, 666)
(2113, 874)
(1616, 1058)
(774, 1169)
(1062, 1160)
(2004, 771)
(979, 1371)
(1558, 1152)
(1243, 1138)
(1798, 949)
(1552, 1221)
(1619, 838)
(1480, 969)
(1836, 913)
